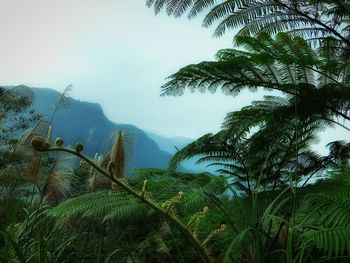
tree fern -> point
(245, 149)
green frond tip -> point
(167, 205)
(222, 229)
(197, 216)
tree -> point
(15, 117)
(312, 81)
(261, 147)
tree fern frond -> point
(220, 10)
(62, 100)
(199, 6)
(251, 17)
(102, 205)
(158, 4)
(196, 198)
(60, 178)
(329, 209)
(132, 209)
(332, 241)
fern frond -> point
(62, 100)
(329, 209)
(331, 241)
(103, 205)
(60, 178)
(307, 18)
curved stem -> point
(176, 222)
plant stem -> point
(176, 222)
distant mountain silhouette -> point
(169, 144)
(86, 122)
(173, 144)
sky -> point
(116, 53)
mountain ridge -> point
(86, 122)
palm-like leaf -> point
(314, 20)
(245, 149)
(61, 102)
(60, 178)
(287, 64)
(105, 205)
(332, 241)
(326, 223)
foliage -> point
(312, 80)
(94, 214)
(299, 49)
(15, 117)
(322, 22)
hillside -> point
(173, 144)
(86, 122)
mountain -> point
(172, 145)
(85, 122)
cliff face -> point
(86, 122)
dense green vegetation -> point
(276, 200)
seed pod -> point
(46, 146)
(118, 155)
(59, 141)
(39, 143)
(79, 147)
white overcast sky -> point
(116, 53)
